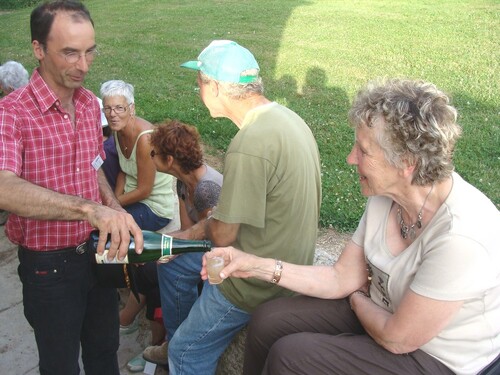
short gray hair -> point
(238, 91)
(13, 75)
(420, 125)
(118, 88)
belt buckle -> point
(81, 249)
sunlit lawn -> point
(314, 56)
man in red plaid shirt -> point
(50, 180)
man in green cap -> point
(269, 206)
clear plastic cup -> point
(214, 266)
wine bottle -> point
(157, 246)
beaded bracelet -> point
(278, 268)
(127, 277)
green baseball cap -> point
(225, 61)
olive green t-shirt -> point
(272, 188)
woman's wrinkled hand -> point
(236, 262)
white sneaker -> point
(136, 364)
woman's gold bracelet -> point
(278, 268)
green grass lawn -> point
(314, 56)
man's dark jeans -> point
(67, 309)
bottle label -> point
(103, 259)
(166, 246)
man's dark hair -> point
(43, 15)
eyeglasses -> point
(73, 57)
(118, 109)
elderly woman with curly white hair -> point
(417, 288)
(12, 76)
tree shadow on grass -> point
(324, 108)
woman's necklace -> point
(122, 138)
(411, 229)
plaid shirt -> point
(39, 143)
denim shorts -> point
(145, 218)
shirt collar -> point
(46, 97)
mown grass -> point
(314, 56)
(17, 4)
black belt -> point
(79, 250)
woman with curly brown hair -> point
(176, 150)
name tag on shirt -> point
(97, 162)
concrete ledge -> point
(231, 361)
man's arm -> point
(220, 233)
(35, 202)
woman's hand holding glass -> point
(236, 263)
